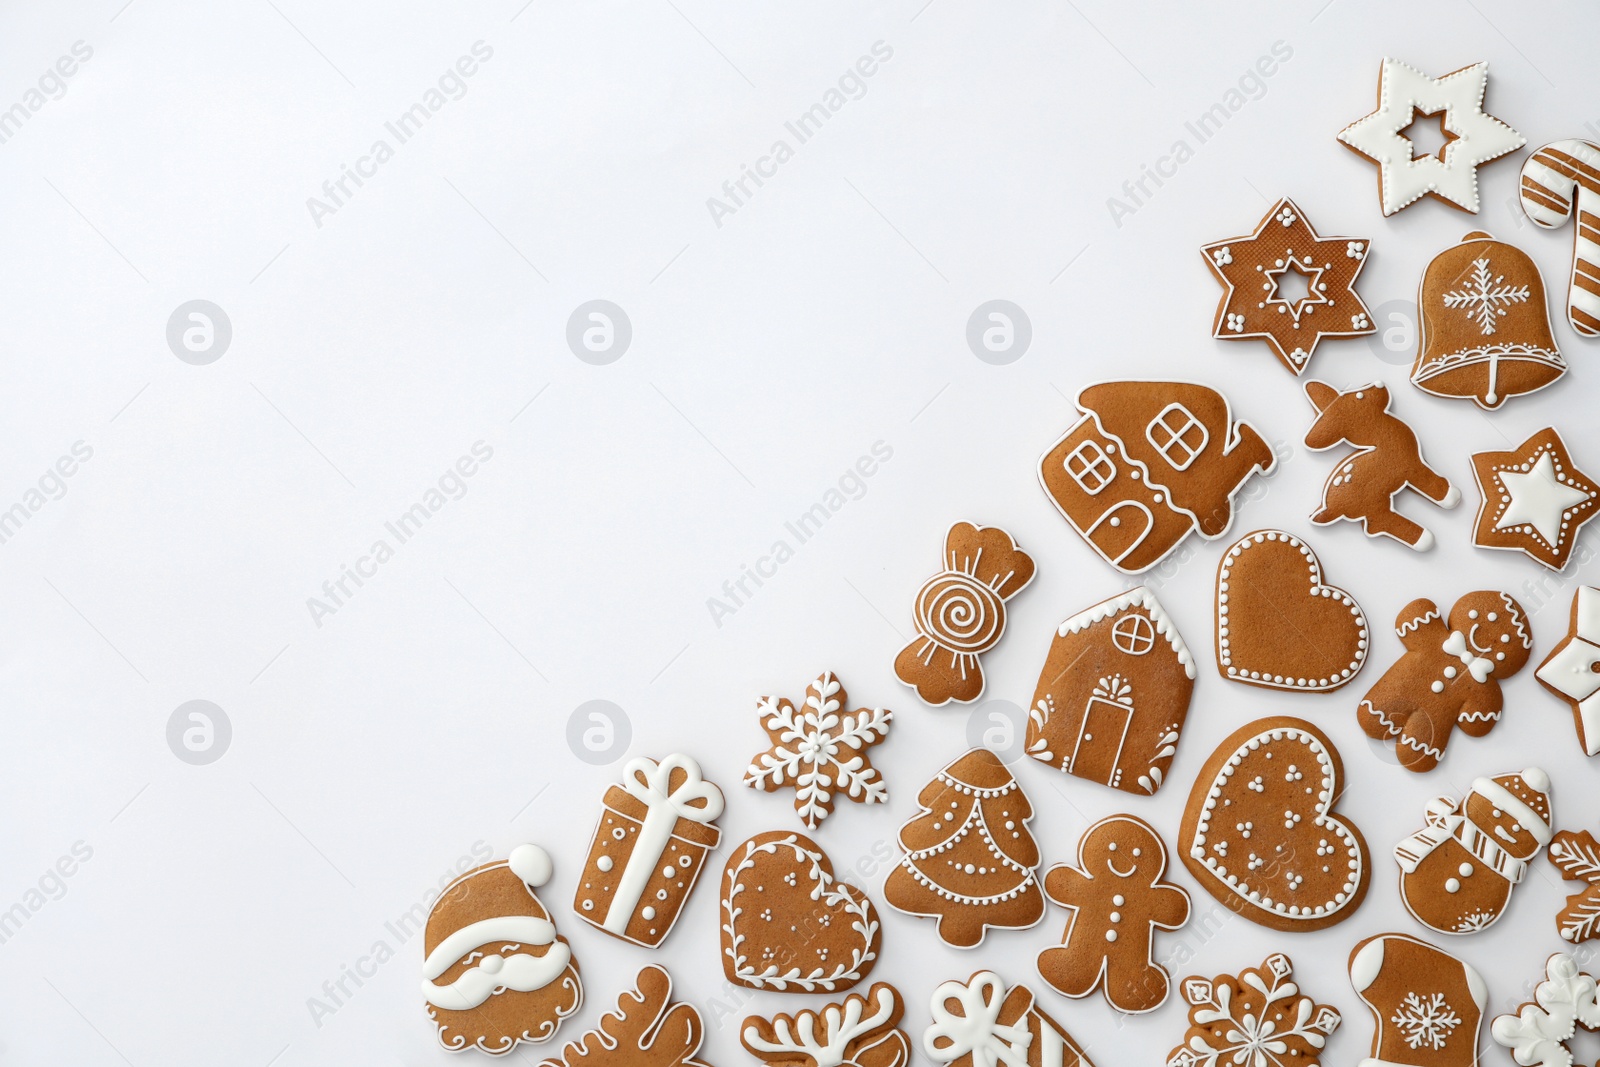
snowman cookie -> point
(1457, 872)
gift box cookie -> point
(652, 840)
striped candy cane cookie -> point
(1559, 177)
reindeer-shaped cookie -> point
(1388, 459)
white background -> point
(429, 712)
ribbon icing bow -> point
(1479, 667)
(975, 1028)
(694, 798)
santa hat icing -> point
(1525, 796)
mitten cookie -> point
(1561, 181)
(861, 1032)
(496, 972)
(647, 1030)
(1449, 675)
(1535, 499)
(981, 1023)
(1428, 1005)
(1146, 464)
(1118, 896)
(819, 750)
(787, 925)
(960, 613)
(1577, 857)
(1113, 695)
(1572, 670)
(1259, 1019)
(1387, 459)
(1260, 834)
(1540, 1032)
(970, 859)
(1457, 872)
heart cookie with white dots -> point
(787, 926)
(1260, 835)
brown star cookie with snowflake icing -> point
(1535, 499)
(820, 750)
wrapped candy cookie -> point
(653, 838)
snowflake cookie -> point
(820, 750)
(1577, 855)
(1538, 1033)
(1259, 1019)
(1426, 1004)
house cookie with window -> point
(1146, 464)
(1113, 695)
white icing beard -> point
(520, 972)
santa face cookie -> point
(1406, 95)
(1535, 499)
(1113, 695)
(863, 1031)
(1427, 1005)
(820, 750)
(1118, 896)
(1540, 1032)
(960, 613)
(1146, 464)
(1448, 677)
(1561, 181)
(652, 840)
(1278, 625)
(1258, 1019)
(970, 859)
(787, 926)
(1387, 459)
(1260, 833)
(1457, 872)
(647, 1029)
(496, 972)
(981, 1023)
(1289, 286)
(1572, 670)
(1577, 857)
(1485, 333)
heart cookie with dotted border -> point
(1260, 835)
(787, 926)
(1278, 625)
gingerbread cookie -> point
(1260, 834)
(496, 971)
(1427, 1005)
(1387, 459)
(787, 925)
(861, 1032)
(981, 1023)
(970, 859)
(1113, 695)
(1572, 670)
(1535, 499)
(961, 613)
(1540, 1032)
(646, 1030)
(1449, 675)
(1289, 286)
(1561, 181)
(648, 848)
(1485, 332)
(1278, 625)
(1118, 896)
(1457, 872)
(820, 749)
(1146, 464)
(1406, 95)
(1577, 857)
(1259, 1019)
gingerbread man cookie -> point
(1428, 1005)
(1539, 1033)
(1118, 897)
(1449, 676)
(1535, 499)
(1561, 181)
(861, 1032)
(1289, 286)
(1259, 1019)
(820, 750)
(1457, 872)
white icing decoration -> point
(1482, 298)
(1538, 1033)
(603, 864)
(822, 750)
(974, 1029)
(1403, 94)
(522, 972)
(1562, 181)
(1570, 670)
(1138, 597)
(842, 1024)
(530, 863)
(694, 799)
(1539, 499)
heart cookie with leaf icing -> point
(1278, 625)
(787, 925)
(1260, 833)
